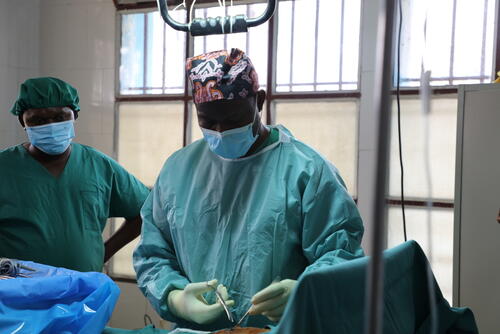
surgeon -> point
(56, 195)
(248, 209)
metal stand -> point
(382, 102)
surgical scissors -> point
(223, 303)
(275, 280)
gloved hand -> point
(272, 300)
(190, 305)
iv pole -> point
(382, 101)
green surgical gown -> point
(59, 220)
(278, 213)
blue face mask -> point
(53, 138)
(230, 144)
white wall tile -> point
(367, 140)
(5, 140)
(8, 87)
(19, 22)
(108, 120)
(87, 82)
(27, 19)
(366, 184)
(108, 87)
(367, 117)
(4, 32)
(13, 33)
(89, 121)
(101, 35)
(26, 73)
(101, 142)
(53, 36)
(77, 50)
(78, 40)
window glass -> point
(458, 46)
(132, 54)
(152, 55)
(121, 264)
(148, 134)
(330, 127)
(443, 128)
(318, 50)
(438, 235)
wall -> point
(19, 60)
(367, 144)
(77, 39)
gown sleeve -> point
(332, 228)
(155, 262)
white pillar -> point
(367, 131)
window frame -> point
(272, 95)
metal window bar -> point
(188, 51)
(205, 13)
(291, 85)
(145, 67)
(316, 35)
(163, 65)
(225, 36)
(153, 87)
(483, 45)
(483, 77)
(452, 50)
(247, 41)
(341, 55)
(450, 79)
(292, 33)
(318, 84)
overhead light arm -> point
(217, 25)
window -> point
(443, 128)
(152, 55)
(458, 48)
(459, 41)
(443, 125)
(148, 133)
(318, 50)
(330, 127)
(440, 234)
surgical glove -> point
(190, 305)
(271, 301)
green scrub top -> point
(59, 220)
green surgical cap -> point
(45, 92)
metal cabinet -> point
(477, 203)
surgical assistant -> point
(55, 195)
